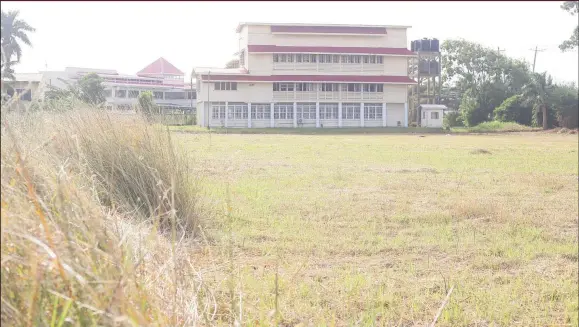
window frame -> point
(372, 111)
(329, 111)
(432, 115)
(260, 111)
(283, 111)
(351, 111)
(306, 110)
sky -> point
(127, 36)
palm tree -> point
(537, 94)
(13, 33)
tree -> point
(514, 109)
(13, 33)
(88, 90)
(571, 7)
(147, 105)
(469, 109)
(490, 77)
(564, 101)
(92, 90)
(536, 94)
(233, 63)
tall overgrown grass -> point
(95, 209)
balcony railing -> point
(327, 96)
(329, 67)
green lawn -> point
(374, 229)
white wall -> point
(394, 113)
(395, 38)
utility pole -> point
(535, 57)
(499, 50)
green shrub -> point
(452, 119)
(514, 109)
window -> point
(283, 111)
(108, 93)
(351, 59)
(350, 111)
(174, 95)
(133, 94)
(242, 58)
(372, 111)
(328, 111)
(218, 110)
(226, 86)
(354, 87)
(424, 115)
(283, 87)
(260, 111)
(306, 111)
(434, 115)
(120, 93)
(285, 57)
(326, 59)
(237, 111)
(275, 57)
(26, 95)
(191, 95)
(372, 59)
(305, 87)
(373, 88)
(158, 95)
(329, 87)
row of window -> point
(327, 58)
(311, 87)
(328, 87)
(133, 94)
(262, 111)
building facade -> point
(165, 81)
(297, 75)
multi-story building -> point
(295, 75)
(165, 81)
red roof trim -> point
(311, 78)
(160, 67)
(263, 48)
(328, 29)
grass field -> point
(375, 229)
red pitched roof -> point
(301, 49)
(311, 78)
(160, 67)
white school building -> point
(295, 75)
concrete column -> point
(339, 114)
(272, 123)
(383, 114)
(362, 114)
(249, 115)
(317, 115)
(406, 114)
(295, 114)
(226, 113)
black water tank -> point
(434, 45)
(425, 44)
(416, 45)
(412, 48)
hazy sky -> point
(127, 36)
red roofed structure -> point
(160, 68)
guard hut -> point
(432, 115)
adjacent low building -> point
(295, 75)
(164, 80)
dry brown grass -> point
(96, 209)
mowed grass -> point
(375, 229)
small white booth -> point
(431, 115)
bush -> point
(469, 110)
(147, 106)
(74, 196)
(513, 109)
(565, 105)
(452, 119)
(413, 124)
